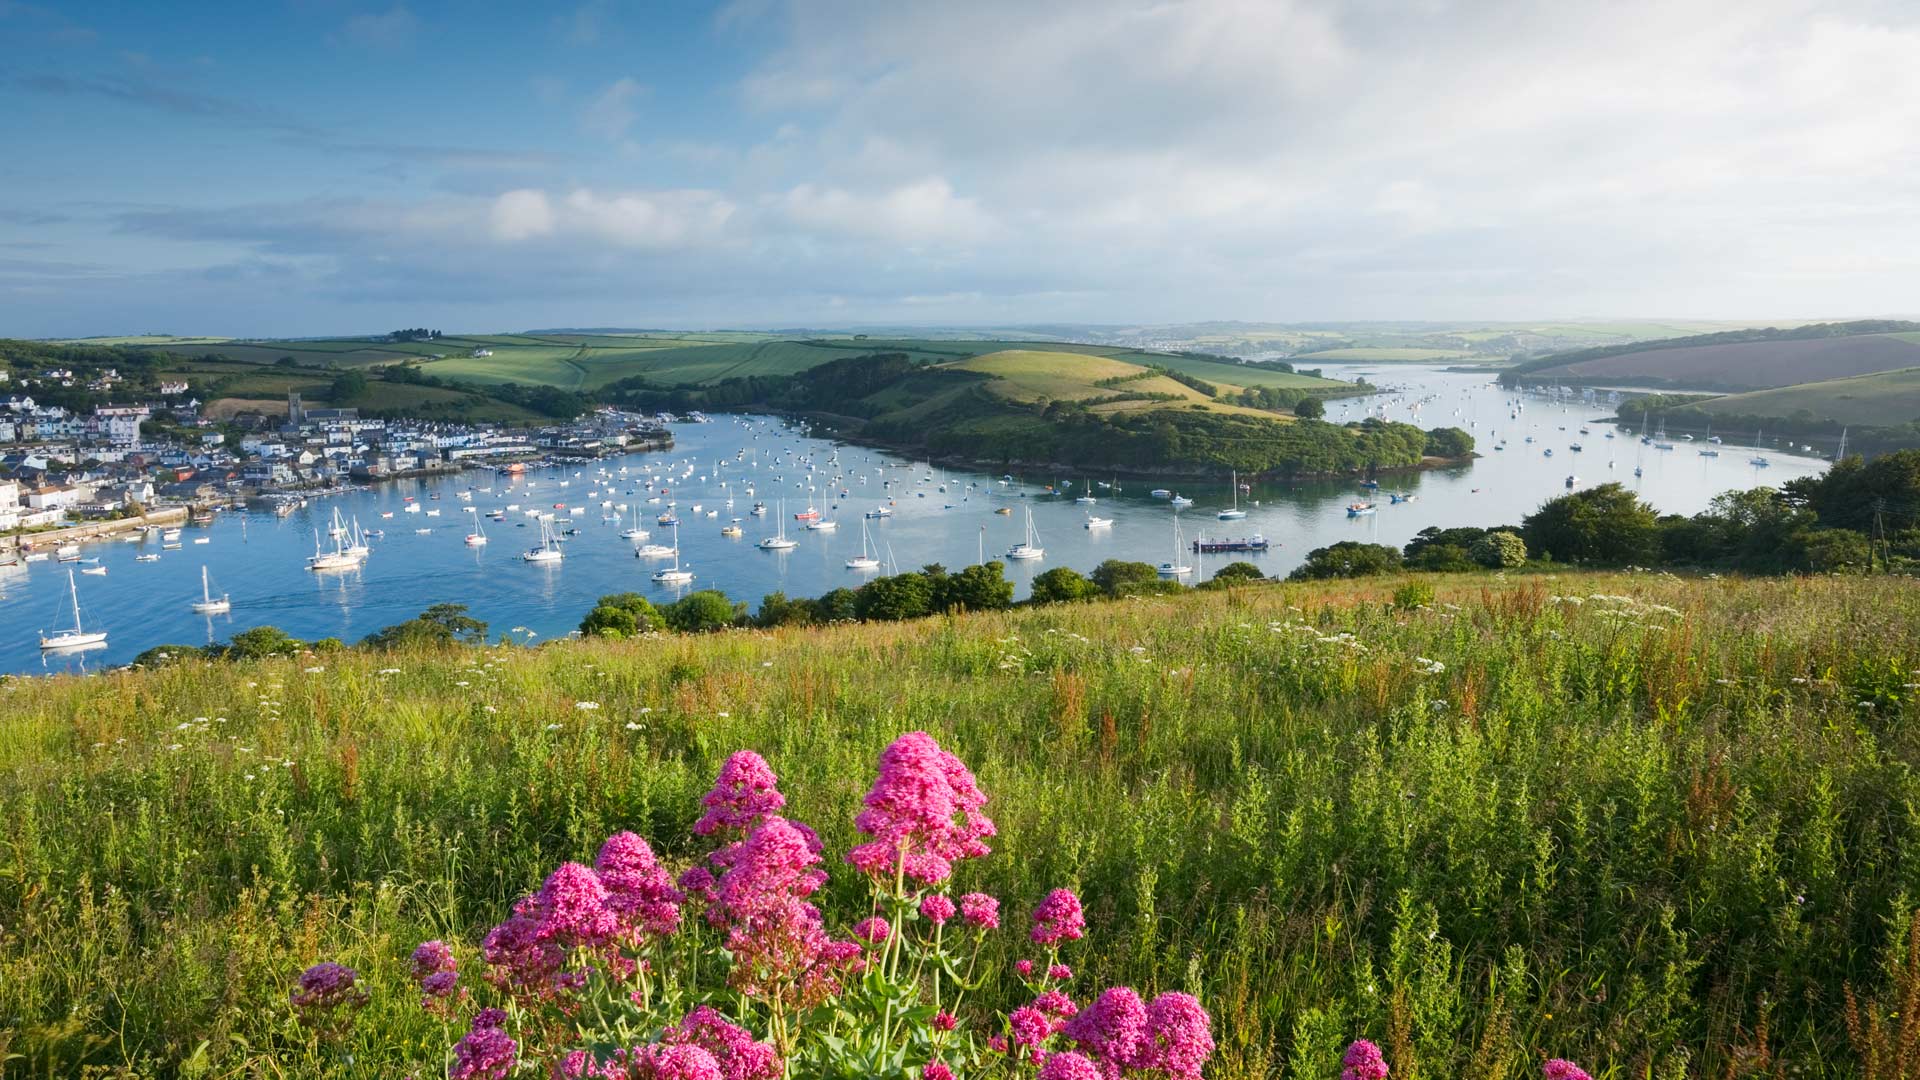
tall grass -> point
(1667, 828)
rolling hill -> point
(1880, 399)
(1737, 361)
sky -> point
(310, 167)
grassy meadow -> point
(1656, 825)
(1884, 399)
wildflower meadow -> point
(1567, 826)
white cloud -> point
(521, 214)
(611, 112)
(926, 211)
(390, 29)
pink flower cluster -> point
(1363, 1061)
(485, 1052)
(777, 938)
(923, 813)
(640, 893)
(1562, 1069)
(1058, 918)
(745, 791)
(327, 997)
(703, 1046)
(1172, 1036)
(982, 912)
(624, 899)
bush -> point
(1450, 442)
(1311, 408)
(441, 624)
(1062, 585)
(697, 613)
(1348, 558)
(1499, 550)
(261, 641)
(1119, 577)
(621, 615)
(1414, 594)
(902, 596)
(1607, 525)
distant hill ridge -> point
(1738, 360)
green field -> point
(1885, 399)
(1658, 826)
(586, 362)
(1028, 375)
(1403, 356)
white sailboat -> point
(1174, 568)
(1086, 494)
(1234, 514)
(778, 541)
(549, 549)
(478, 537)
(673, 575)
(77, 637)
(1030, 547)
(337, 559)
(635, 533)
(208, 604)
(865, 560)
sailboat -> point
(1234, 514)
(337, 559)
(208, 604)
(865, 560)
(549, 549)
(1086, 497)
(1757, 460)
(1030, 547)
(635, 533)
(779, 541)
(673, 575)
(478, 537)
(78, 636)
(1174, 568)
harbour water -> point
(259, 559)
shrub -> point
(1348, 558)
(699, 612)
(621, 615)
(1499, 550)
(1061, 585)
(1414, 594)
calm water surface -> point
(260, 560)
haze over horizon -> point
(316, 167)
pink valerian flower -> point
(1363, 1061)
(1024, 968)
(640, 894)
(520, 961)
(734, 1048)
(485, 1052)
(1114, 1028)
(874, 930)
(664, 1061)
(696, 883)
(1067, 1065)
(773, 865)
(572, 908)
(327, 998)
(997, 1043)
(1180, 1034)
(431, 958)
(1562, 1069)
(936, 1070)
(1060, 973)
(1058, 1007)
(923, 813)
(936, 908)
(982, 912)
(1058, 918)
(945, 1021)
(1030, 1028)
(745, 792)
(440, 984)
